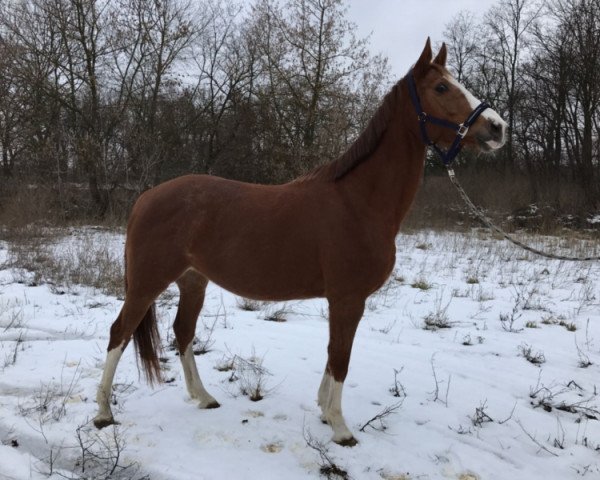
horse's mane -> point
(364, 145)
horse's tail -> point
(146, 340)
(147, 345)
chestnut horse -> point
(330, 233)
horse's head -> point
(447, 105)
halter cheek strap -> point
(460, 129)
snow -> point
(469, 282)
(594, 219)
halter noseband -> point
(461, 130)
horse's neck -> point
(388, 180)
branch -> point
(390, 409)
(533, 439)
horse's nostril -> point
(496, 130)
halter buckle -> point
(422, 117)
(462, 130)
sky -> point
(399, 28)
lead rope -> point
(480, 215)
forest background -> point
(103, 99)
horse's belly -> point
(274, 276)
(262, 286)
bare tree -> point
(123, 94)
(30, 45)
(547, 74)
(10, 110)
(581, 19)
(462, 38)
(151, 37)
(312, 60)
(509, 24)
(226, 63)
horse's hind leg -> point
(134, 310)
(344, 316)
(191, 298)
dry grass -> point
(439, 206)
(248, 305)
(421, 284)
(26, 213)
(24, 207)
(48, 203)
(36, 219)
(86, 260)
(534, 357)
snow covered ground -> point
(444, 344)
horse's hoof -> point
(347, 442)
(100, 423)
(213, 404)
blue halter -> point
(461, 130)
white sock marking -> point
(192, 379)
(330, 400)
(105, 387)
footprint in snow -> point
(273, 447)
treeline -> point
(110, 97)
(122, 94)
(538, 62)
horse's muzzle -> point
(492, 135)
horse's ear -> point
(424, 60)
(440, 59)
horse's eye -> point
(441, 88)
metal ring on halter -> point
(462, 130)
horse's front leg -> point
(344, 315)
